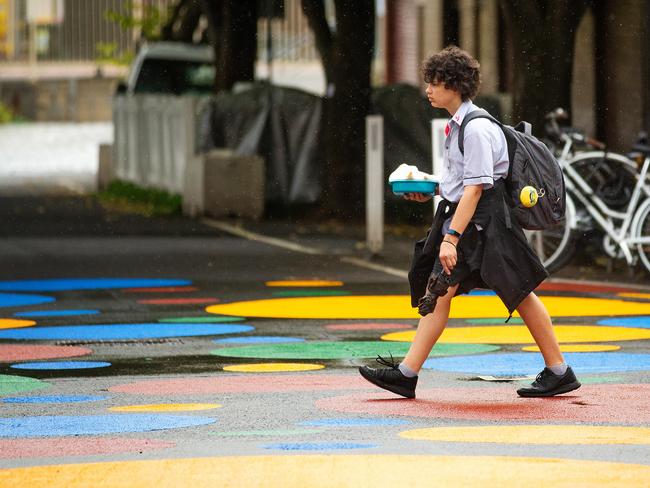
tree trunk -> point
(543, 44)
(347, 59)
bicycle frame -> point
(602, 214)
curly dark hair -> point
(456, 69)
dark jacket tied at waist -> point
(498, 255)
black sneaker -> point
(390, 378)
(549, 384)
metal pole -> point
(375, 183)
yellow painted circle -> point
(578, 348)
(304, 283)
(168, 407)
(642, 296)
(272, 367)
(333, 470)
(534, 434)
(15, 323)
(399, 307)
(518, 334)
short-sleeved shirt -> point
(485, 159)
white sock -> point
(406, 371)
(558, 369)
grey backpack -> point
(531, 164)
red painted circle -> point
(11, 352)
(368, 326)
(178, 301)
(81, 446)
(628, 404)
(263, 383)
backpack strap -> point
(474, 114)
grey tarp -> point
(283, 126)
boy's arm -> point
(465, 210)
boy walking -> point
(474, 241)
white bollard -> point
(437, 151)
(375, 183)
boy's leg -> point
(556, 377)
(403, 381)
(428, 332)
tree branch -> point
(314, 10)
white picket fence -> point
(154, 139)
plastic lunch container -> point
(400, 187)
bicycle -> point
(608, 188)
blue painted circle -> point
(56, 365)
(258, 340)
(318, 446)
(55, 313)
(54, 399)
(353, 422)
(639, 322)
(87, 284)
(122, 331)
(481, 293)
(68, 425)
(16, 300)
(520, 364)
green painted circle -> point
(344, 350)
(11, 385)
(201, 320)
(513, 320)
(309, 293)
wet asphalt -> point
(74, 237)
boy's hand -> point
(417, 197)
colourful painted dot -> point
(42, 448)
(516, 364)
(259, 340)
(272, 367)
(15, 324)
(640, 322)
(16, 352)
(262, 383)
(642, 296)
(344, 350)
(163, 289)
(55, 399)
(399, 307)
(61, 365)
(534, 434)
(55, 313)
(591, 404)
(16, 300)
(350, 422)
(86, 284)
(166, 407)
(318, 446)
(179, 301)
(578, 348)
(11, 385)
(335, 470)
(506, 334)
(66, 425)
(495, 321)
(122, 331)
(201, 320)
(368, 326)
(304, 283)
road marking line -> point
(274, 241)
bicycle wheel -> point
(612, 176)
(641, 228)
(555, 246)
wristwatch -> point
(454, 233)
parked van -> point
(173, 68)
